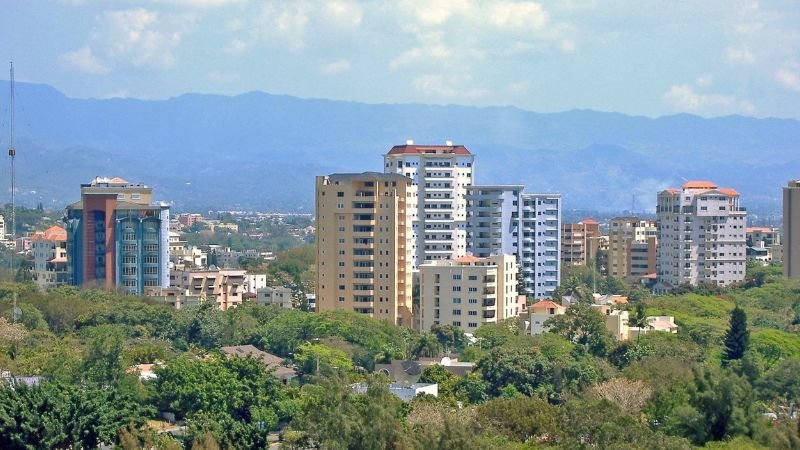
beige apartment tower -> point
(364, 260)
(791, 230)
(468, 292)
(632, 247)
(579, 242)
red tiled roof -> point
(420, 149)
(588, 220)
(672, 191)
(546, 304)
(650, 276)
(54, 233)
(758, 230)
(468, 259)
(729, 192)
(699, 184)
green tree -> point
(584, 326)
(737, 337)
(639, 320)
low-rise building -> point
(225, 285)
(541, 312)
(273, 363)
(254, 281)
(275, 295)
(468, 292)
(764, 245)
(50, 258)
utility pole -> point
(12, 152)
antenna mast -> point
(12, 152)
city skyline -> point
(650, 59)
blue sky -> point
(633, 56)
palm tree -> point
(639, 320)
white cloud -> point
(704, 80)
(447, 87)
(685, 98)
(343, 13)
(431, 49)
(741, 55)
(567, 46)
(337, 67)
(83, 60)
(218, 76)
(237, 46)
(133, 37)
(519, 87)
(435, 12)
(518, 15)
(286, 22)
(200, 3)
(789, 77)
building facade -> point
(633, 244)
(275, 295)
(49, 250)
(225, 287)
(468, 292)
(579, 242)
(364, 245)
(117, 237)
(791, 229)
(437, 203)
(502, 219)
(540, 244)
(701, 236)
(493, 219)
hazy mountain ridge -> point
(258, 150)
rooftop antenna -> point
(12, 152)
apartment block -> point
(468, 292)
(540, 244)
(764, 245)
(49, 250)
(579, 242)
(2, 229)
(117, 237)
(255, 281)
(364, 244)
(437, 203)
(542, 311)
(502, 219)
(223, 286)
(633, 244)
(493, 214)
(701, 235)
(275, 295)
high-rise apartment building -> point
(364, 254)
(502, 219)
(633, 244)
(2, 228)
(117, 237)
(791, 229)
(468, 292)
(493, 219)
(540, 244)
(49, 250)
(437, 204)
(579, 242)
(701, 235)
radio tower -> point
(12, 152)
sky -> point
(642, 57)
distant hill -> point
(262, 151)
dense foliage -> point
(574, 387)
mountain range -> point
(258, 151)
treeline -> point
(718, 383)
